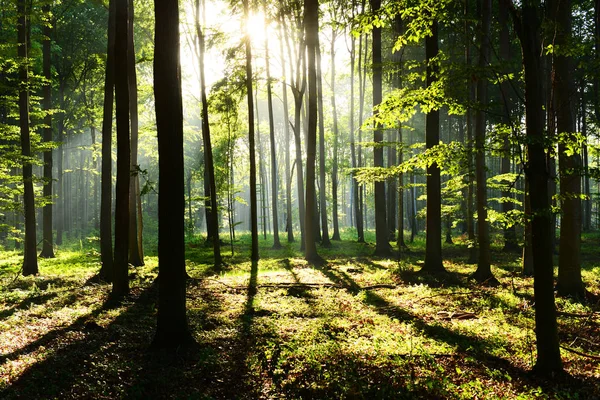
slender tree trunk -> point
(60, 206)
(136, 254)
(253, 198)
(121, 273)
(286, 126)
(213, 217)
(171, 325)
(311, 24)
(48, 242)
(382, 245)
(106, 249)
(355, 187)
(30, 265)
(322, 182)
(483, 272)
(274, 183)
(569, 281)
(510, 234)
(334, 172)
(433, 249)
(527, 27)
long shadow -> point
(29, 301)
(67, 369)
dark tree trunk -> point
(483, 272)
(311, 24)
(569, 260)
(382, 237)
(30, 264)
(106, 247)
(171, 325)
(253, 198)
(355, 187)
(322, 182)
(433, 244)
(469, 124)
(334, 172)
(121, 267)
(136, 252)
(213, 217)
(47, 243)
(528, 27)
(60, 205)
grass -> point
(358, 327)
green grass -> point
(358, 327)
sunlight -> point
(255, 27)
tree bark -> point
(382, 242)
(569, 260)
(355, 187)
(171, 326)
(106, 247)
(433, 244)
(48, 242)
(322, 181)
(121, 267)
(30, 264)
(336, 140)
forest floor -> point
(358, 327)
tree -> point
(325, 242)
(334, 172)
(30, 265)
(253, 198)
(569, 260)
(106, 247)
(483, 272)
(171, 324)
(48, 242)
(136, 251)
(311, 26)
(274, 183)
(433, 249)
(213, 226)
(382, 245)
(527, 25)
(120, 276)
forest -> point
(304, 199)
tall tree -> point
(121, 274)
(336, 140)
(106, 247)
(382, 242)
(483, 272)
(136, 251)
(171, 325)
(213, 226)
(433, 246)
(274, 175)
(569, 259)
(527, 25)
(322, 181)
(311, 25)
(30, 264)
(48, 242)
(253, 197)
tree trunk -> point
(334, 172)
(106, 248)
(510, 235)
(121, 273)
(47, 243)
(213, 217)
(30, 265)
(548, 352)
(382, 237)
(483, 272)
(355, 187)
(274, 183)
(60, 206)
(322, 182)
(136, 253)
(311, 24)
(171, 325)
(433, 244)
(569, 261)
(253, 198)
(286, 127)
